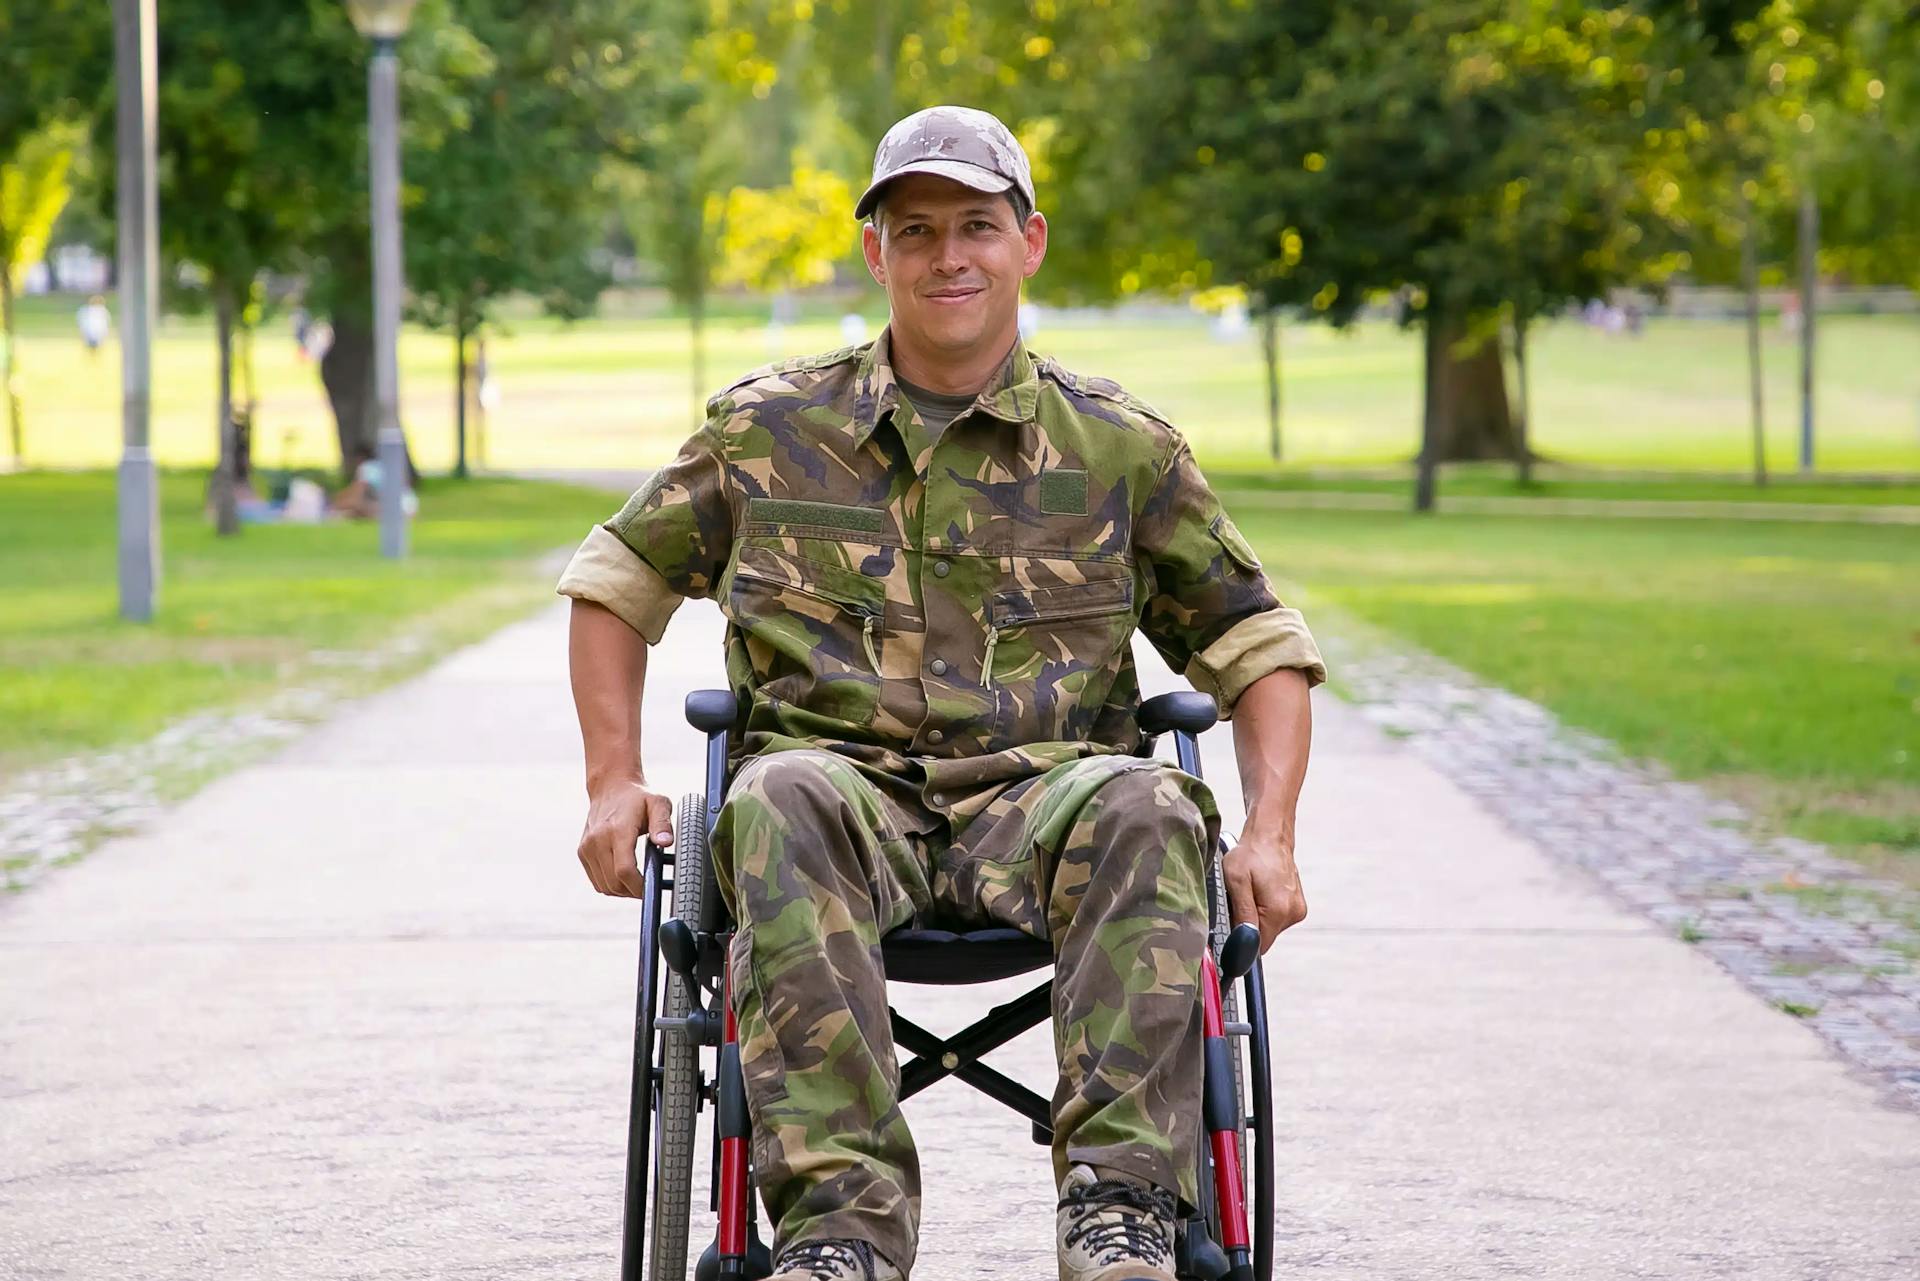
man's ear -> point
(870, 247)
(1035, 233)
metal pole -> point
(136, 62)
(383, 142)
(1809, 303)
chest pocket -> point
(810, 634)
(1053, 651)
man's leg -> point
(815, 870)
(1105, 857)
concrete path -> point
(355, 1013)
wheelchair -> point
(686, 1058)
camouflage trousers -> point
(1102, 856)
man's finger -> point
(1241, 904)
(590, 861)
(626, 868)
(660, 820)
(630, 883)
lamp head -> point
(381, 19)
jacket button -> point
(941, 569)
(939, 798)
(938, 667)
(935, 736)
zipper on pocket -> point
(986, 659)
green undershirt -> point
(936, 408)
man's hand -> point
(617, 815)
(1263, 886)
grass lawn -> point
(1779, 662)
(1491, 480)
(273, 607)
(614, 391)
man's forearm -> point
(1272, 732)
(608, 663)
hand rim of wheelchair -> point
(1179, 713)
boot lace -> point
(1117, 1222)
(830, 1260)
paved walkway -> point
(354, 1013)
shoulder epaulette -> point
(1104, 388)
(793, 364)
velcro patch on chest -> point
(792, 511)
(1063, 491)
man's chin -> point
(955, 334)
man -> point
(932, 551)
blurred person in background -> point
(95, 322)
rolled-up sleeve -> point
(1210, 610)
(605, 571)
(1254, 647)
(671, 540)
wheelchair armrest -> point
(1186, 710)
(712, 710)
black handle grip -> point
(1241, 951)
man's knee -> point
(787, 819)
(1154, 795)
(789, 787)
(1142, 836)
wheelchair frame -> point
(1217, 1242)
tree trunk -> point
(1523, 422)
(9, 389)
(481, 373)
(249, 401)
(1465, 414)
(347, 373)
(1809, 280)
(697, 319)
(1750, 282)
(1432, 404)
(460, 395)
(1270, 348)
(221, 491)
(885, 48)
(1476, 421)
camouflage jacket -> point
(950, 613)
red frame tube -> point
(1226, 1150)
(732, 1235)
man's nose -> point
(949, 258)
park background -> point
(1550, 261)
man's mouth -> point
(953, 297)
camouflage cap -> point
(961, 143)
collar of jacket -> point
(1011, 395)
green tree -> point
(1464, 159)
(732, 121)
(54, 58)
(517, 195)
(33, 191)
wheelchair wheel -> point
(679, 1083)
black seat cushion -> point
(978, 956)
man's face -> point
(951, 260)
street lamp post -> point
(384, 22)
(135, 72)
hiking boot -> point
(830, 1260)
(1114, 1227)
